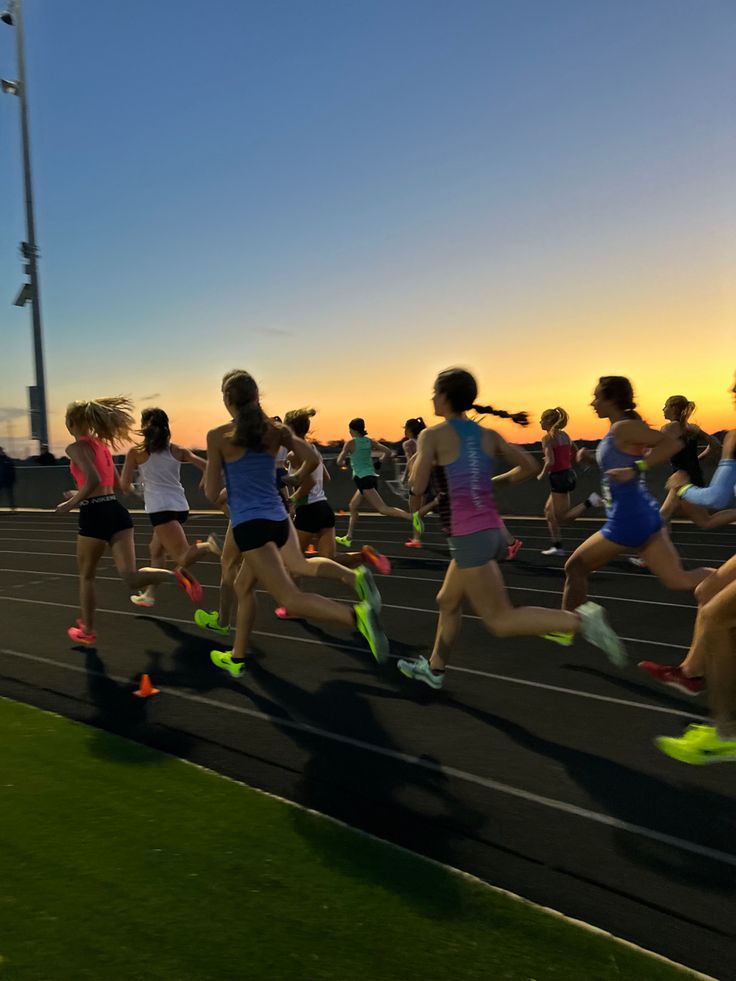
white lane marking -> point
(415, 609)
(358, 650)
(725, 858)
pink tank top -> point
(563, 457)
(103, 463)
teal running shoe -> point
(368, 624)
(344, 540)
(224, 660)
(366, 589)
(597, 631)
(417, 524)
(419, 670)
(210, 621)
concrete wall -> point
(42, 487)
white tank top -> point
(317, 493)
(162, 489)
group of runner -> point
(259, 469)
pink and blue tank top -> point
(467, 504)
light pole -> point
(13, 17)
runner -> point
(359, 449)
(463, 455)
(560, 453)
(96, 426)
(714, 651)
(242, 453)
(158, 462)
(430, 500)
(314, 518)
(633, 521)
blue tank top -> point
(630, 494)
(251, 488)
(467, 504)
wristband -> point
(681, 490)
(640, 466)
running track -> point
(533, 769)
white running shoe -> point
(419, 670)
(639, 563)
(596, 501)
(553, 550)
(597, 631)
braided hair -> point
(461, 390)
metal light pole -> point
(13, 16)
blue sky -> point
(346, 197)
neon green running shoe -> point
(210, 621)
(368, 624)
(698, 745)
(366, 589)
(344, 540)
(417, 524)
(563, 638)
(224, 660)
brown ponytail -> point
(251, 422)
(154, 431)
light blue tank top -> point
(361, 460)
(631, 493)
(251, 488)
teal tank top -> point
(361, 460)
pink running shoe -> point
(283, 614)
(512, 549)
(190, 585)
(80, 634)
(672, 676)
(379, 561)
(413, 543)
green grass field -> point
(119, 864)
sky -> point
(346, 198)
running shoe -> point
(210, 621)
(283, 614)
(224, 660)
(377, 559)
(142, 599)
(368, 624)
(595, 500)
(366, 589)
(413, 543)
(417, 524)
(189, 584)
(562, 637)
(419, 670)
(672, 676)
(597, 631)
(513, 549)
(80, 634)
(216, 544)
(344, 540)
(554, 550)
(698, 746)
(639, 563)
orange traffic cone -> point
(311, 550)
(146, 689)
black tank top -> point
(687, 459)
